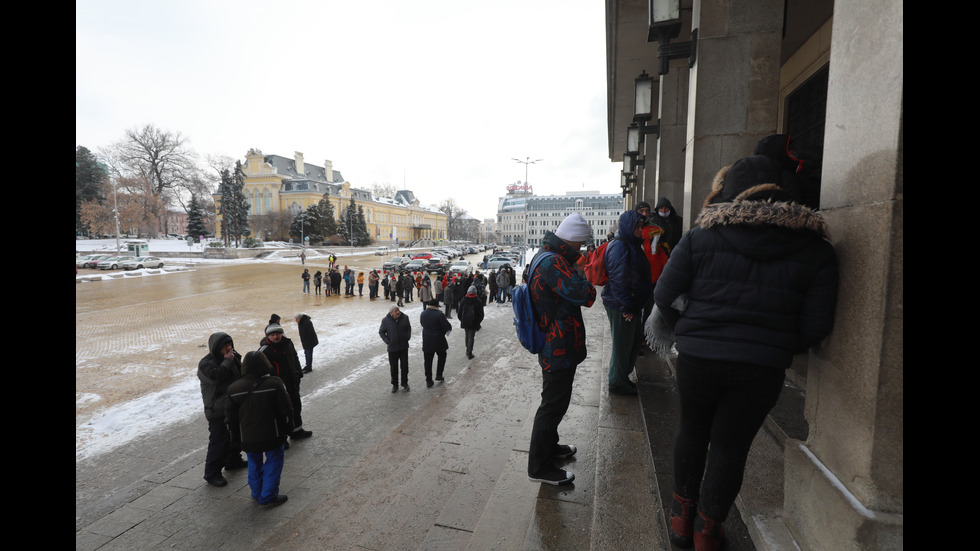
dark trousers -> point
(723, 405)
(470, 335)
(440, 366)
(556, 393)
(297, 407)
(309, 357)
(220, 450)
(395, 358)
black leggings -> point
(722, 404)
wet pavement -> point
(430, 468)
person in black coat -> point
(217, 371)
(435, 329)
(396, 331)
(308, 338)
(259, 416)
(470, 317)
(281, 352)
(753, 283)
(672, 223)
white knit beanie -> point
(574, 228)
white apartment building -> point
(523, 218)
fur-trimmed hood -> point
(759, 219)
(782, 214)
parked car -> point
(93, 260)
(497, 262)
(435, 265)
(416, 265)
(112, 263)
(381, 251)
(141, 262)
(423, 256)
(464, 267)
(395, 263)
(81, 261)
(448, 253)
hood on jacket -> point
(665, 202)
(749, 178)
(216, 341)
(255, 365)
(757, 217)
(627, 223)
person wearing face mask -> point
(667, 218)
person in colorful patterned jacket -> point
(558, 290)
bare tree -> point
(454, 219)
(384, 189)
(162, 158)
(139, 208)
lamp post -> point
(525, 162)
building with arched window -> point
(277, 185)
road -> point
(136, 336)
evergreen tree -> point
(352, 227)
(344, 227)
(234, 205)
(301, 226)
(360, 227)
(195, 219)
(90, 180)
(241, 212)
(327, 217)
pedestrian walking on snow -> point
(470, 317)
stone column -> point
(734, 89)
(844, 486)
(670, 156)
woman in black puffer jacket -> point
(760, 281)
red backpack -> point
(595, 266)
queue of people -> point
(751, 284)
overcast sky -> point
(435, 96)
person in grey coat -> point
(396, 331)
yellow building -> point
(276, 184)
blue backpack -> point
(529, 334)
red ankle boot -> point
(682, 521)
(708, 534)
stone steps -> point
(613, 502)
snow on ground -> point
(115, 426)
